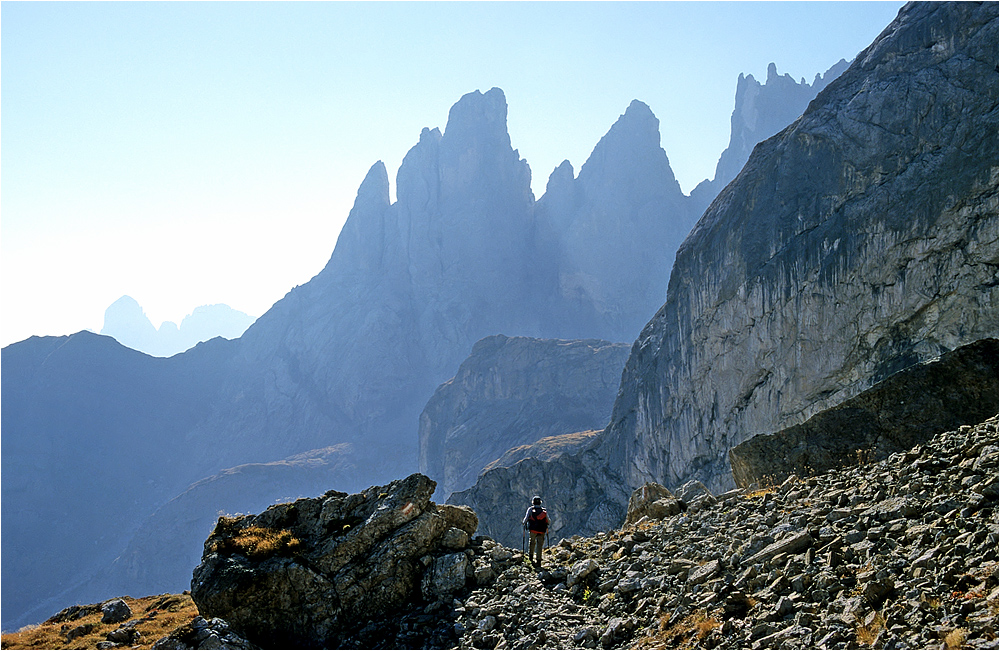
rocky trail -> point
(896, 554)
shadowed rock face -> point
(896, 414)
(612, 231)
(339, 560)
(513, 391)
(577, 503)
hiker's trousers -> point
(537, 542)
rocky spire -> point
(361, 244)
(614, 229)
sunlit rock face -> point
(861, 240)
(513, 391)
(304, 574)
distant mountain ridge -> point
(346, 361)
(128, 324)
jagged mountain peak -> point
(360, 245)
(629, 153)
(561, 177)
(482, 115)
(375, 187)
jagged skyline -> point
(196, 154)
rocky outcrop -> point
(908, 408)
(576, 501)
(653, 502)
(201, 633)
(545, 449)
(511, 392)
(761, 111)
(301, 574)
(859, 241)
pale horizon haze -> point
(195, 153)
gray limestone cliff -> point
(857, 242)
(513, 391)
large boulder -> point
(303, 574)
(653, 501)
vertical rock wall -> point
(861, 239)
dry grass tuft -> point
(256, 543)
(956, 639)
(157, 616)
(684, 634)
(867, 631)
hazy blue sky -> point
(192, 153)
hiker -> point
(536, 521)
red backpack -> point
(538, 519)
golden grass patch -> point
(956, 639)
(682, 635)
(157, 616)
(867, 631)
(256, 543)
